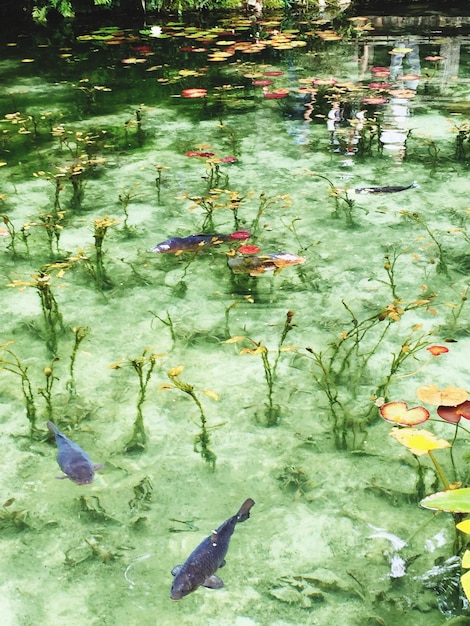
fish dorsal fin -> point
(214, 538)
(176, 570)
(213, 582)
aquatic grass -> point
(51, 223)
(12, 363)
(80, 333)
(159, 180)
(342, 371)
(344, 204)
(265, 203)
(126, 195)
(441, 266)
(202, 440)
(53, 323)
(167, 322)
(272, 412)
(101, 226)
(46, 391)
(12, 234)
(144, 366)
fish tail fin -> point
(244, 512)
(52, 427)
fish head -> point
(81, 472)
(162, 247)
(182, 586)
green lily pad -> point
(452, 501)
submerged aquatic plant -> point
(79, 332)
(343, 202)
(101, 226)
(143, 366)
(272, 412)
(126, 195)
(202, 440)
(53, 229)
(50, 308)
(12, 363)
(441, 265)
(343, 369)
(46, 391)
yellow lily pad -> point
(466, 559)
(465, 528)
(465, 581)
(418, 441)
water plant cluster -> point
(265, 356)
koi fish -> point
(386, 189)
(258, 264)
(72, 460)
(201, 565)
(194, 243)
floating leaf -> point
(437, 350)
(465, 528)
(234, 339)
(211, 394)
(466, 557)
(450, 396)
(453, 414)
(399, 413)
(465, 581)
(451, 501)
(418, 441)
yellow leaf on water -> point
(418, 441)
(465, 581)
(211, 394)
(234, 339)
(465, 528)
(165, 387)
(466, 558)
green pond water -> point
(198, 385)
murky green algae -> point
(333, 491)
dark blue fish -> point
(201, 565)
(72, 460)
(390, 189)
(194, 243)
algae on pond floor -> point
(103, 156)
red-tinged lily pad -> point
(435, 58)
(249, 249)
(399, 413)
(228, 159)
(453, 414)
(380, 70)
(273, 73)
(204, 155)
(240, 234)
(261, 82)
(194, 92)
(451, 501)
(375, 100)
(437, 350)
(277, 94)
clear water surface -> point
(197, 384)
